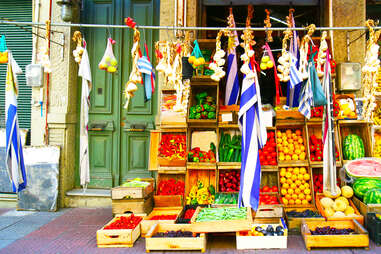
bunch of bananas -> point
(377, 116)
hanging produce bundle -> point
(266, 62)
(196, 59)
(285, 59)
(135, 76)
(109, 62)
(218, 60)
(78, 51)
(247, 44)
(3, 50)
(371, 66)
(304, 47)
(201, 194)
(321, 57)
(43, 57)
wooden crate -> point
(140, 205)
(115, 238)
(146, 224)
(269, 211)
(294, 223)
(121, 192)
(221, 226)
(270, 178)
(357, 215)
(360, 128)
(359, 239)
(153, 163)
(287, 115)
(311, 184)
(228, 115)
(163, 162)
(170, 118)
(293, 127)
(365, 209)
(174, 243)
(168, 200)
(263, 242)
(201, 85)
(224, 169)
(232, 132)
(316, 129)
(206, 176)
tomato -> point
(274, 189)
(266, 189)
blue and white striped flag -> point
(295, 76)
(145, 67)
(253, 138)
(14, 159)
(306, 101)
(232, 82)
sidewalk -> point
(74, 231)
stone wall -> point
(62, 115)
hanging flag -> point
(293, 88)
(306, 100)
(14, 159)
(232, 82)
(145, 67)
(253, 138)
(329, 150)
(153, 72)
(84, 72)
(295, 76)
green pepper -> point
(194, 202)
(192, 116)
(211, 190)
(211, 115)
(213, 107)
(198, 108)
(196, 159)
(204, 114)
(198, 115)
(192, 110)
(213, 147)
(206, 107)
(200, 97)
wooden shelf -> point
(347, 122)
(203, 80)
(201, 165)
(229, 165)
(285, 164)
(172, 170)
(269, 168)
(320, 164)
(228, 125)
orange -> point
(281, 154)
(291, 147)
(307, 185)
(279, 141)
(285, 201)
(283, 191)
(293, 186)
(308, 197)
(300, 141)
(304, 202)
(279, 134)
(302, 187)
(288, 157)
(298, 182)
(283, 169)
(302, 148)
(307, 191)
(288, 196)
(293, 135)
(289, 135)
(306, 177)
(284, 138)
(286, 150)
(300, 177)
(293, 177)
(297, 190)
(295, 157)
(290, 141)
(297, 151)
(288, 174)
(281, 157)
(294, 196)
(302, 156)
(298, 202)
(301, 196)
(288, 131)
(303, 170)
(290, 191)
(289, 169)
(298, 133)
(291, 202)
(282, 173)
(282, 179)
(289, 181)
(286, 186)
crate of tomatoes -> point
(121, 231)
(268, 155)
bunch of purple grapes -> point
(173, 233)
(331, 231)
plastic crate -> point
(374, 228)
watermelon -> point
(366, 167)
(363, 185)
(353, 147)
(373, 196)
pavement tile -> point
(4, 243)
(4, 210)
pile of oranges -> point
(290, 145)
(295, 186)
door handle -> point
(101, 126)
(137, 127)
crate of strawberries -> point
(121, 231)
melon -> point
(366, 167)
(339, 214)
(349, 211)
(339, 205)
(343, 199)
(326, 202)
(329, 212)
(346, 191)
(353, 147)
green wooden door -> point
(118, 139)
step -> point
(90, 192)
